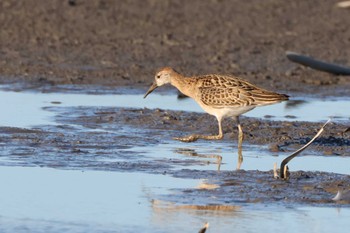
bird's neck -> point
(184, 84)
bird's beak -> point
(154, 86)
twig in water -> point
(284, 174)
(204, 229)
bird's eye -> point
(158, 76)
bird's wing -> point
(225, 91)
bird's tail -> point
(267, 97)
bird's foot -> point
(191, 138)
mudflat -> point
(122, 43)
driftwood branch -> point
(318, 64)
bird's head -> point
(163, 76)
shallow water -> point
(42, 199)
(49, 200)
(81, 200)
(254, 158)
(25, 109)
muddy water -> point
(112, 177)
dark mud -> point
(122, 43)
(245, 187)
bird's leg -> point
(240, 157)
(195, 137)
(240, 132)
(240, 142)
(240, 135)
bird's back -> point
(222, 91)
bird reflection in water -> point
(193, 153)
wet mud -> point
(282, 136)
(111, 139)
(246, 187)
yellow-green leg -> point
(240, 142)
(195, 137)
